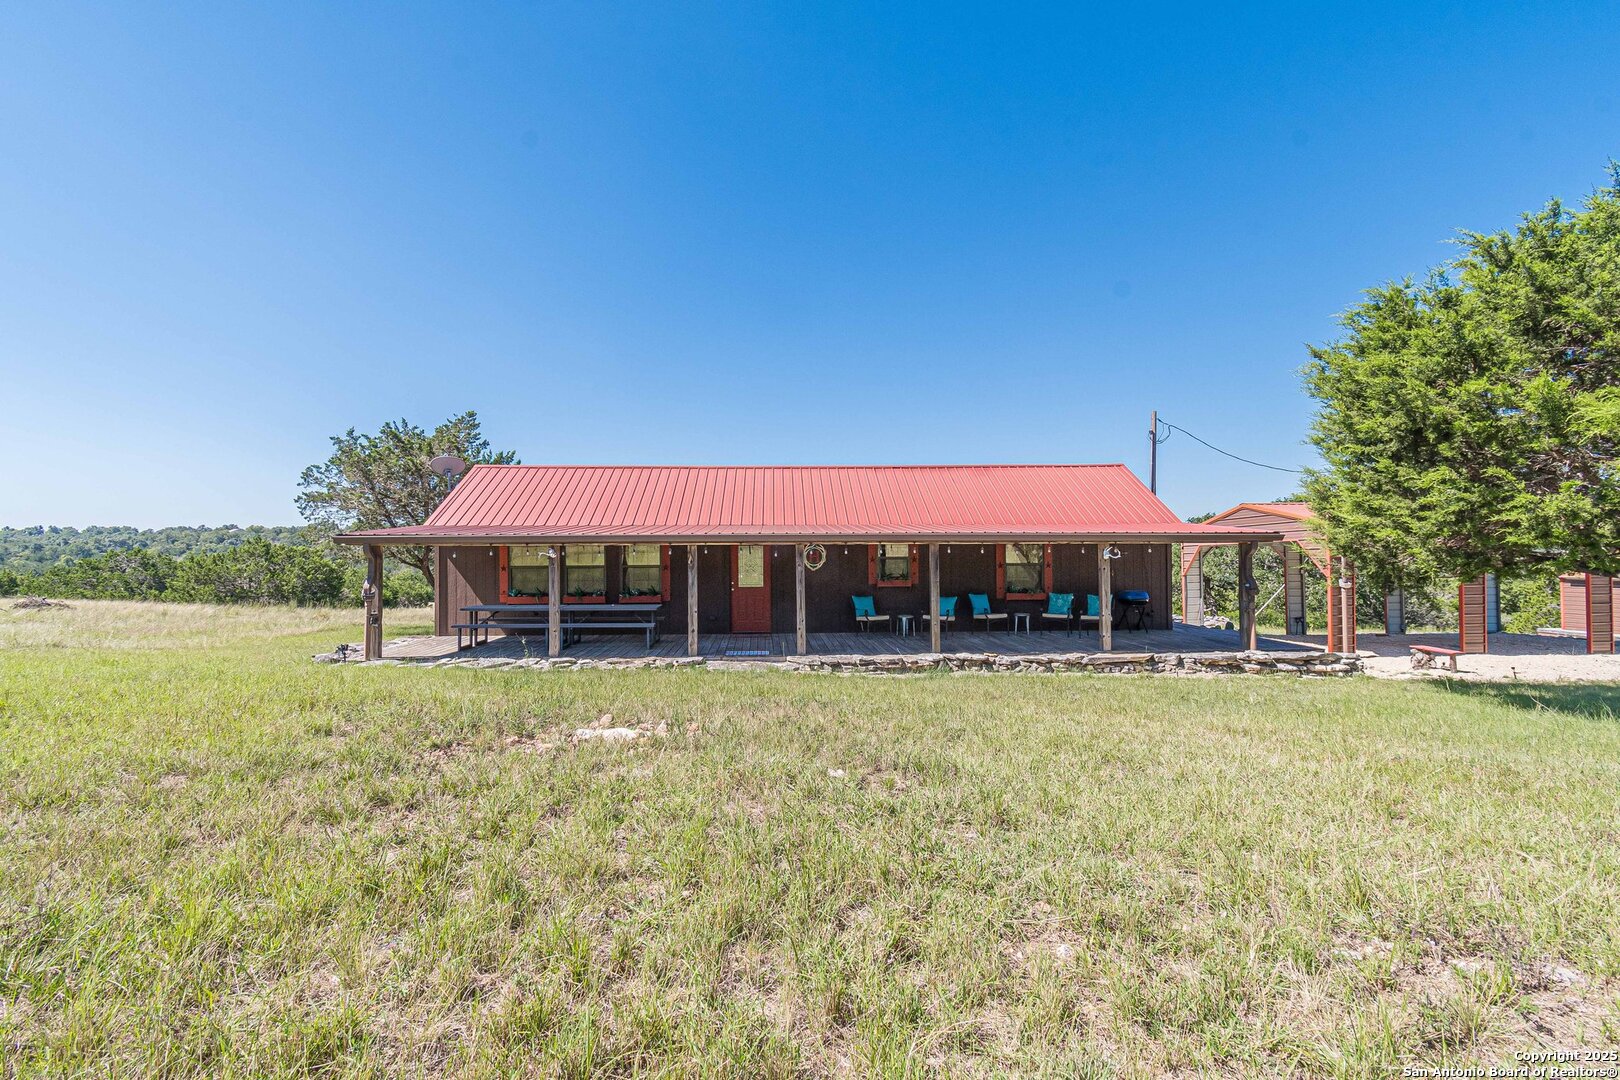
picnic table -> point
(482, 618)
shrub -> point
(259, 572)
(401, 588)
(135, 574)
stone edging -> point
(1119, 663)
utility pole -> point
(1153, 454)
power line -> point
(1258, 464)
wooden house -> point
(750, 549)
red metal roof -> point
(1298, 511)
(799, 503)
(1293, 521)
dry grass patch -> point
(135, 624)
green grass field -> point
(221, 859)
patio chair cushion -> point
(1060, 603)
(1093, 606)
(865, 607)
(947, 608)
(981, 604)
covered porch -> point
(698, 613)
(1186, 640)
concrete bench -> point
(1427, 656)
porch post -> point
(1472, 636)
(1347, 604)
(554, 602)
(1192, 587)
(933, 597)
(1293, 588)
(1247, 639)
(1599, 613)
(800, 637)
(691, 599)
(1105, 598)
(372, 595)
(1395, 612)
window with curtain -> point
(585, 570)
(528, 572)
(1026, 568)
(894, 564)
(643, 571)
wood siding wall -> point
(1599, 614)
(1471, 618)
(470, 575)
(464, 575)
(1572, 602)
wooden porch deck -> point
(1182, 639)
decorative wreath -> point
(815, 556)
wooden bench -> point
(571, 627)
(1427, 656)
(571, 620)
(473, 629)
(576, 625)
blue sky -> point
(731, 233)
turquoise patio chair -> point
(866, 612)
(1060, 606)
(947, 611)
(981, 610)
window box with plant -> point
(1023, 571)
(585, 574)
(525, 574)
(646, 574)
(891, 565)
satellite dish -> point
(448, 466)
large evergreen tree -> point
(382, 481)
(1470, 423)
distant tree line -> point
(368, 482)
(255, 570)
(39, 547)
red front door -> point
(750, 589)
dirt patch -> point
(37, 603)
(1042, 936)
(1528, 657)
(1495, 1004)
(884, 780)
(448, 752)
(528, 744)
